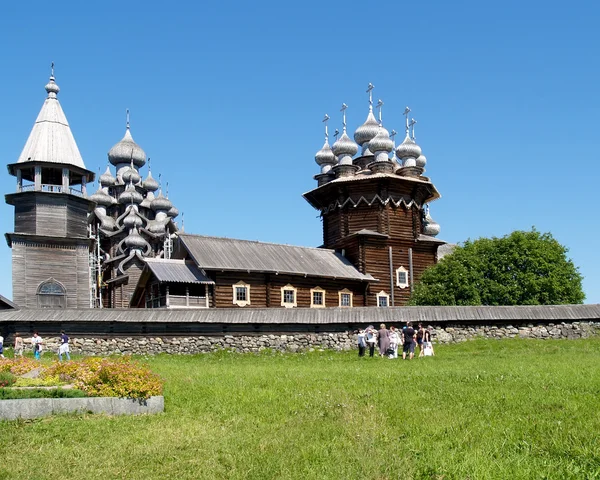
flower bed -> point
(97, 377)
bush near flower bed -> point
(18, 366)
(103, 377)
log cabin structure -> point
(121, 247)
(374, 207)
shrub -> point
(19, 366)
(103, 377)
(7, 379)
(46, 381)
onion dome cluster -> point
(126, 151)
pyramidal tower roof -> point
(51, 139)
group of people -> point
(37, 345)
(389, 340)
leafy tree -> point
(523, 268)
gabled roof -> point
(6, 304)
(51, 139)
(216, 253)
(178, 271)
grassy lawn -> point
(483, 409)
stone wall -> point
(308, 341)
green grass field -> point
(484, 409)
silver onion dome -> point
(127, 150)
(156, 226)
(325, 156)
(421, 161)
(150, 184)
(381, 142)
(135, 240)
(408, 149)
(430, 226)
(131, 175)
(367, 131)
(107, 179)
(173, 212)
(344, 146)
(101, 198)
(130, 195)
(52, 88)
(132, 219)
(161, 203)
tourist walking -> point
(408, 341)
(428, 345)
(394, 341)
(36, 343)
(18, 345)
(1, 346)
(383, 337)
(63, 349)
(362, 343)
(371, 335)
(420, 334)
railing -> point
(48, 188)
(177, 301)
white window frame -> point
(382, 294)
(398, 282)
(241, 303)
(312, 297)
(289, 304)
(345, 291)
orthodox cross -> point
(325, 119)
(406, 112)
(127, 116)
(167, 189)
(393, 134)
(343, 110)
(335, 134)
(378, 107)
(52, 69)
(412, 124)
(370, 92)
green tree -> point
(523, 268)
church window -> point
(51, 294)
(241, 294)
(317, 297)
(288, 296)
(345, 298)
(383, 299)
(401, 277)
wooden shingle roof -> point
(216, 253)
(360, 315)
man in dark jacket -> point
(408, 341)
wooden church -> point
(120, 247)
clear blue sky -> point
(227, 99)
